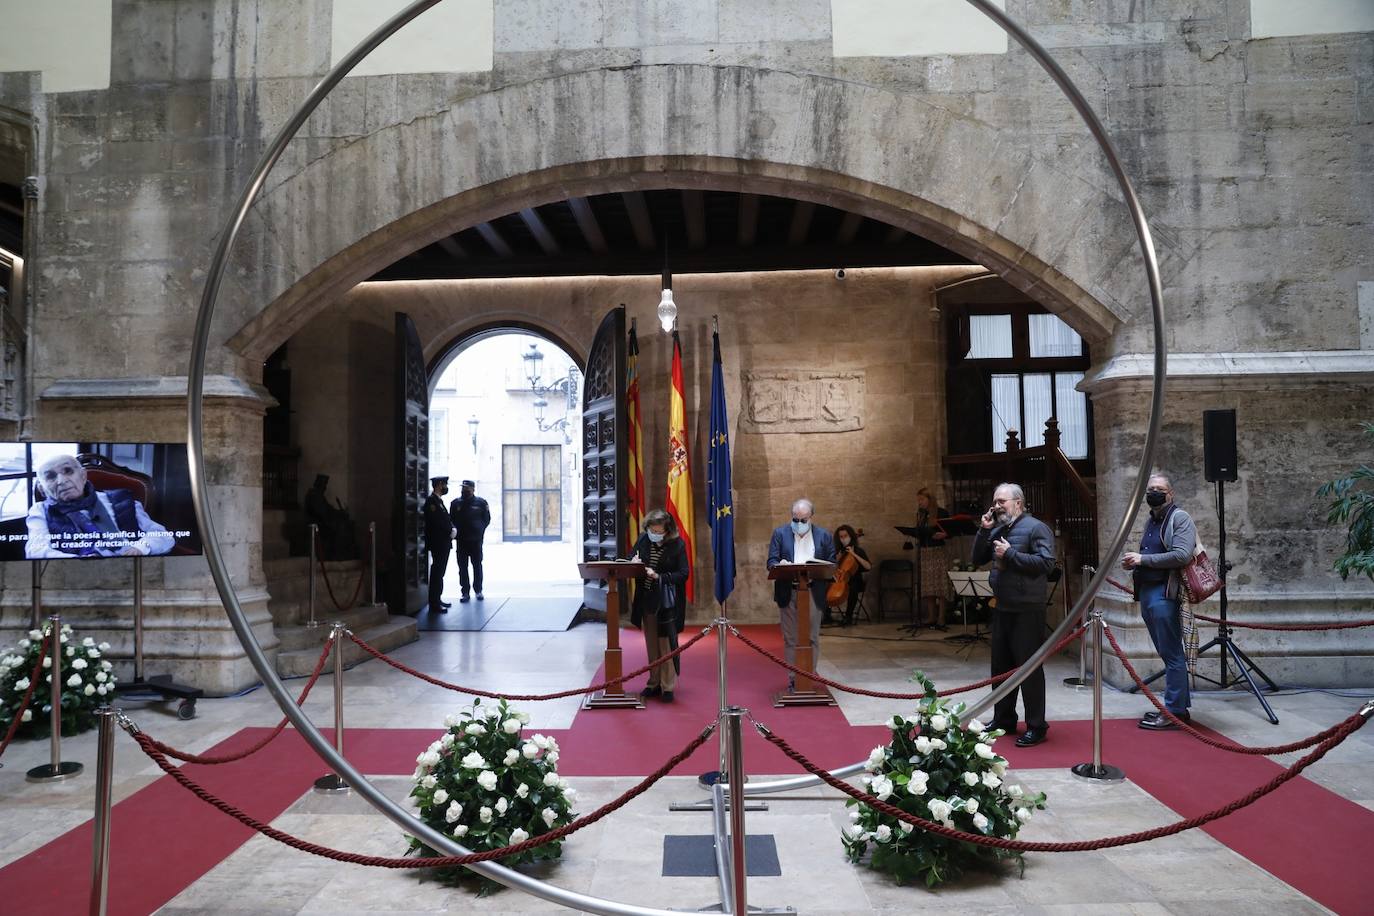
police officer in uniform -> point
(471, 516)
(439, 541)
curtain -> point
(989, 336)
(1039, 407)
(1049, 336)
(1006, 408)
(1073, 414)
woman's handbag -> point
(667, 599)
(1200, 579)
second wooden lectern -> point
(807, 692)
(612, 572)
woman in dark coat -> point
(661, 549)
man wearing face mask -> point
(799, 542)
(1023, 549)
(1166, 546)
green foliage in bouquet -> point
(487, 785)
(87, 682)
(941, 769)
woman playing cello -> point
(852, 562)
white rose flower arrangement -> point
(941, 769)
(88, 682)
(485, 784)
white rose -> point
(431, 758)
(876, 757)
(487, 780)
(101, 677)
(71, 650)
(1023, 814)
(991, 780)
(905, 827)
(854, 832)
(450, 720)
(939, 722)
(47, 661)
(104, 666)
(104, 647)
(474, 761)
(529, 751)
(511, 726)
(460, 830)
(484, 814)
(447, 741)
(428, 782)
(999, 766)
(883, 833)
(540, 742)
(940, 809)
(28, 716)
(970, 779)
(502, 805)
(551, 757)
(522, 791)
(435, 746)
(981, 822)
(854, 816)
(882, 787)
(88, 642)
(101, 689)
(976, 727)
(913, 721)
(21, 684)
(1015, 791)
(454, 812)
(550, 779)
(518, 836)
(971, 806)
(549, 815)
(553, 745)
(569, 793)
(916, 787)
(511, 757)
(74, 681)
(524, 717)
(982, 750)
(938, 744)
(24, 643)
(94, 653)
(923, 744)
(440, 796)
(35, 634)
(865, 780)
(475, 728)
(88, 690)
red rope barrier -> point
(248, 752)
(357, 591)
(149, 748)
(1346, 729)
(1212, 742)
(526, 697)
(887, 694)
(28, 695)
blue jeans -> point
(1161, 618)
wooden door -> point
(604, 451)
(409, 579)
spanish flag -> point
(679, 501)
(637, 497)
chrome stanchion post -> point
(372, 561)
(739, 902)
(138, 620)
(1082, 680)
(57, 769)
(333, 782)
(722, 625)
(1097, 770)
(104, 792)
(314, 530)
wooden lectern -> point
(808, 692)
(612, 572)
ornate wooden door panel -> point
(409, 579)
(604, 445)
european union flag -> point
(720, 500)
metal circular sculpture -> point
(196, 448)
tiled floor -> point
(620, 858)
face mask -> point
(844, 542)
(801, 527)
(1154, 499)
(656, 538)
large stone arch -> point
(1020, 207)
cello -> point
(838, 592)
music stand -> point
(970, 584)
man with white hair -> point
(798, 542)
(75, 520)
(1023, 548)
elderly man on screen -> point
(76, 520)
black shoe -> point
(464, 600)
(481, 597)
(667, 696)
(831, 623)
(445, 604)
(1032, 737)
(1160, 723)
(650, 692)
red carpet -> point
(1307, 836)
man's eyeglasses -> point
(800, 520)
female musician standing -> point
(934, 562)
(662, 551)
(847, 544)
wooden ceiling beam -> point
(638, 210)
(586, 221)
(694, 210)
(493, 238)
(802, 211)
(748, 220)
(849, 227)
(540, 230)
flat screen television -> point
(95, 500)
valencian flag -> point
(679, 501)
(720, 503)
(636, 501)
